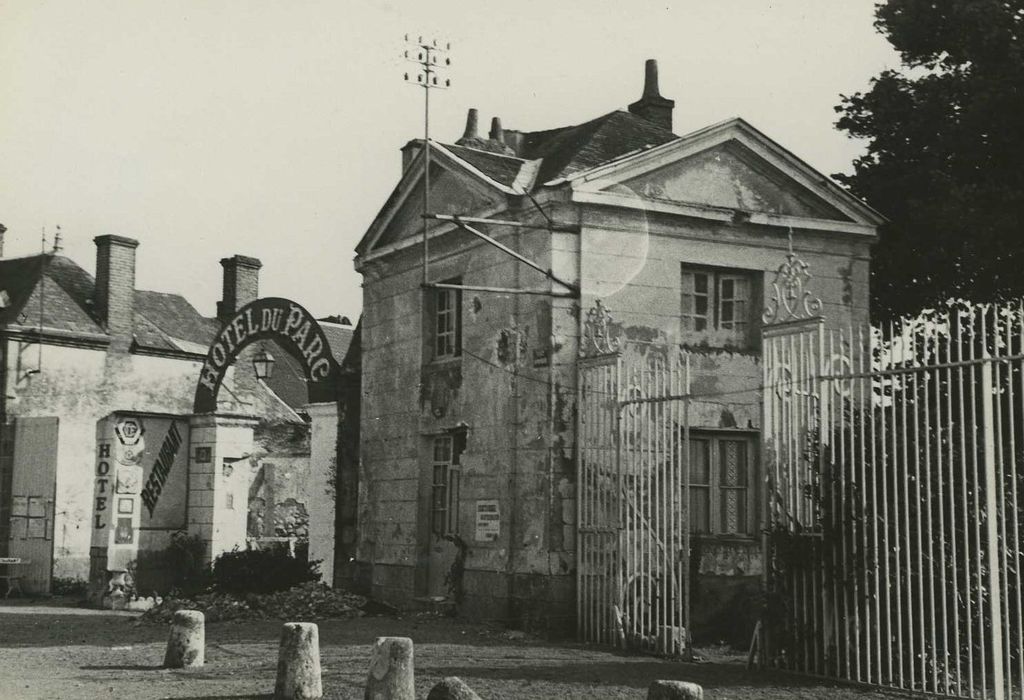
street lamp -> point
(263, 364)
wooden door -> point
(33, 488)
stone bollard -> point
(674, 690)
(391, 670)
(186, 646)
(298, 663)
(452, 688)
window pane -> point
(726, 317)
(700, 511)
(700, 282)
(734, 511)
(442, 449)
(732, 462)
(700, 461)
(453, 501)
(458, 446)
(741, 288)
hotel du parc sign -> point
(291, 327)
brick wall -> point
(114, 300)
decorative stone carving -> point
(597, 339)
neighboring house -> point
(75, 354)
(467, 487)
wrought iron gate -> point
(895, 499)
(633, 529)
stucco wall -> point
(81, 386)
(632, 262)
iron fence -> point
(894, 497)
(634, 538)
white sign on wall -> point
(488, 521)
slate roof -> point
(568, 150)
(63, 292)
(500, 168)
(571, 149)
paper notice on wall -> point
(488, 521)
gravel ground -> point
(49, 652)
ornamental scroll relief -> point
(791, 301)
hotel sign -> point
(286, 323)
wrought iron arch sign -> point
(286, 323)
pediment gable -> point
(723, 169)
(450, 193)
(730, 176)
(456, 187)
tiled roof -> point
(63, 292)
(289, 381)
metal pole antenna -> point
(425, 53)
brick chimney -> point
(241, 284)
(651, 105)
(114, 296)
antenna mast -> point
(427, 53)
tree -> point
(945, 158)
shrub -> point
(261, 571)
(309, 602)
(69, 586)
(184, 561)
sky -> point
(272, 128)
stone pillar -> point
(392, 676)
(186, 644)
(674, 690)
(322, 498)
(298, 663)
(219, 476)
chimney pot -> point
(651, 79)
(471, 124)
(496, 132)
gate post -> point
(219, 476)
(321, 504)
(992, 527)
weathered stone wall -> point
(512, 389)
